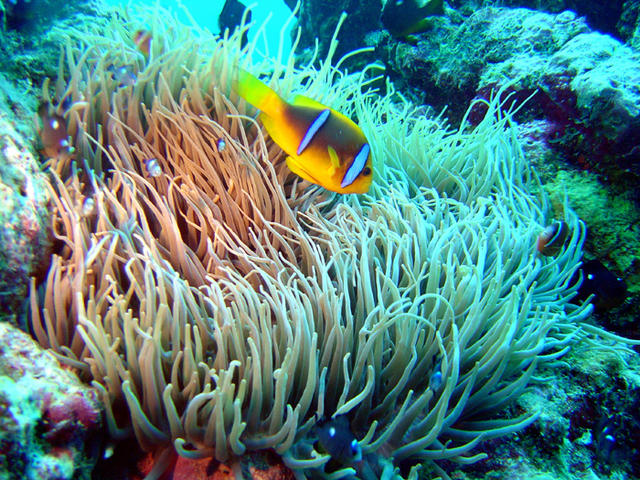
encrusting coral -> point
(51, 423)
(221, 304)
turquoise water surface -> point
(274, 14)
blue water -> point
(274, 12)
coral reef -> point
(32, 32)
(318, 20)
(50, 423)
(584, 110)
(613, 221)
(585, 79)
(461, 56)
(611, 18)
(24, 218)
(629, 24)
(601, 73)
(223, 308)
(588, 427)
(221, 305)
(30, 40)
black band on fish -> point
(319, 121)
(356, 166)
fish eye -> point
(355, 448)
(366, 171)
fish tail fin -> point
(258, 94)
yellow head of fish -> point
(323, 146)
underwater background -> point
(206, 15)
(360, 240)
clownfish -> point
(323, 146)
(608, 290)
(53, 133)
(142, 39)
(335, 438)
(553, 238)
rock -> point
(50, 423)
(605, 77)
(606, 17)
(519, 43)
(448, 66)
(629, 24)
(24, 218)
(586, 82)
(588, 422)
(318, 20)
(33, 33)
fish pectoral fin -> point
(335, 160)
(295, 166)
(292, 164)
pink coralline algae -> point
(66, 417)
(50, 423)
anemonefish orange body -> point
(323, 146)
(142, 39)
(553, 238)
(53, 133)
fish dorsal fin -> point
(335, 160)
(302, 101)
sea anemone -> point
(222, 304)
